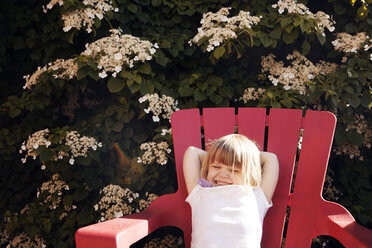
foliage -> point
(108, 108)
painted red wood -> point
(283, 133)
(308, 206)
(218, 122)
(310, 214)
(251, 123)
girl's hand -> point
(270, 173)
(192, 161)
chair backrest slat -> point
(312, 165)
(251, 123)
(283, 134)
(218, 122)
(186, 130)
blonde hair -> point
(236, 150)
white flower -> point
(147, 110)
(118, 56)
(35, 146)
(156, 45)
(152, 50)
(23, 160)
(71, 161)
(116, 10)
(118, 68)
(275, 81)
(43, 167)
(118, 214)
(287, 87)
(96, 207)
(102, 74)
(156, 118)
(23, 147)
(216, 43)
(48, 143)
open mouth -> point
(221, 183)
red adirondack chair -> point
(310, 215)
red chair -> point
(310, 215)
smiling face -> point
(220, 175)
(232, 159)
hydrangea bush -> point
(89, 87)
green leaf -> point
(82, 72)
(134, 87)
(305, 47)
(199, 96)
(147, 87)
(115, 85)
(291, 37)
(156, 3)
(219, 51)
(185, 91)
(266, 41)
(275, 105)
(46, 155)
(285, 22)
(47, 225)
(276, 33)
(67, 201)
(321, 38)
(84, 217)
(117, 127)
(132, 8)
(145, 68)
(216, 98)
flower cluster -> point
(117, 50)
(22, 240)
(218, 27)
(167, 241)
(78, 145)
(164, 106)
(360, 125)
(323, 20)
(251, 94)
(348, 149)
(51, 192)
(349, 43)
(34, 141)
(154, 152)
(116, 202)
(297, 74)
(60, 68)
(83, 17)
(51, 4)
(330, 192)
(166, 131)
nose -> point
(224, 174)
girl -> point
(230, 189)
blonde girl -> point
(230, 189)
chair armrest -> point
(120, 232)
(342, 225)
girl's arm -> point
(270, 173)
(192, 161)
